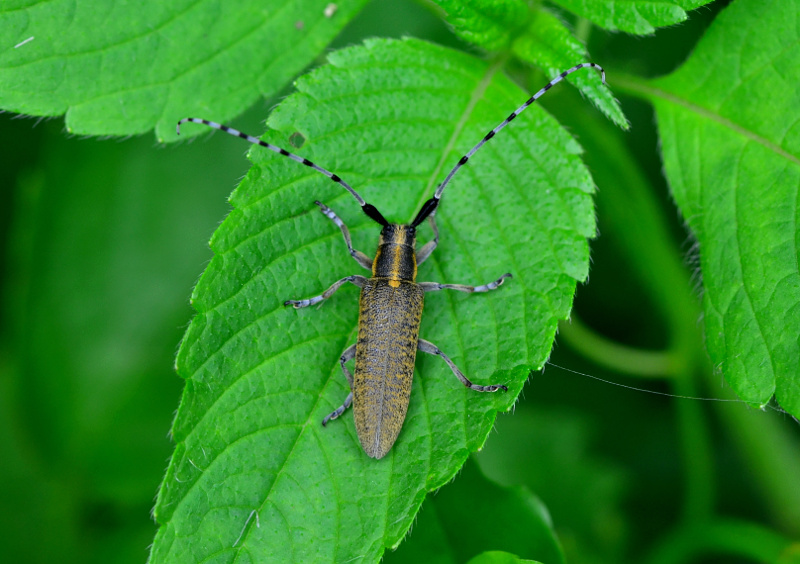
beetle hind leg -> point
(348, 354)
(430, 348)
(339, 410)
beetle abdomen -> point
(388, 331)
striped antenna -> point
(438, 194)
(285, 153)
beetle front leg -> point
(359, 257)
(430, 348)
(348, 354)
(355, 279)
(430, 246)
(435, 286)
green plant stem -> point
(612, 355)
(583, 30)
(664, 277)
(747, 540)
(631, 217)
(766, 444)
(696, 449)
(604, 352)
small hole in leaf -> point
(297, 140)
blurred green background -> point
(102, 241)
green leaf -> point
(549, 45)
(640, 17)
(534, 35)
(493, 516)
(254, 473)
(487, 23)
(582, 491)
(731, 146)
(148, 64)
(497, 557)
(742, 540)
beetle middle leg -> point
(355, 279)
(348, 354)
(430, 348)
(435, 286)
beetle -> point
(391, 301)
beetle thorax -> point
(396, 258)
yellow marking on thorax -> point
(375, 261)
(397, 256)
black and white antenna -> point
(271, 147)
(368, 209)
(430, 206)
(438, 194)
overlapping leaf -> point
(490, 24)
(504, 518)
(255, 477)
(498, 557)
(534, 35)
(549, 45)
(634, 16)
(123, 68)
(729, 125)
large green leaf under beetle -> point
(728, 121)
(255, 477)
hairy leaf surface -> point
(122, 68)
(548, 44)
(488, 23)
(534, 35)
(634, 16)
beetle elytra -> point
(391, 301)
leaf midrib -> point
(637, 87)
(477, 96)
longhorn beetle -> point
(390, 305)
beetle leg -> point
(430, 348)
(360, 257)
(339, 410)
(348, 354)
(434, 286)
(355, 279)
(430, 246)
